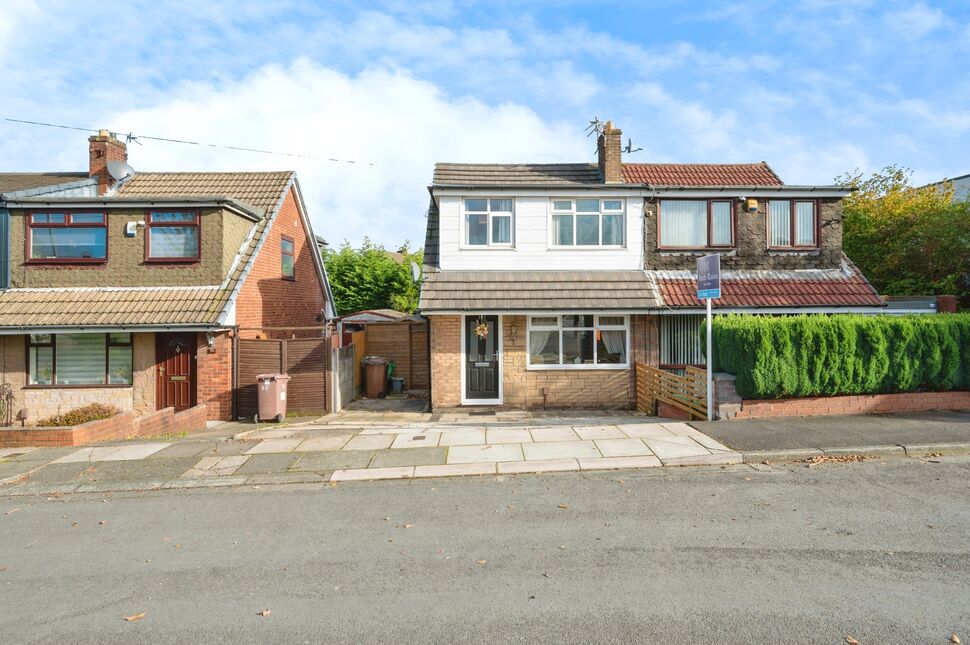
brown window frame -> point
(710, 224)
(68, 223)
(108, 344)
(292, 254)
(816, 228)
(149, 225)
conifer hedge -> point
(824, 355)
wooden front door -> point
(481, 357)
(175, 365)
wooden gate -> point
(687, 393)
(305, 360)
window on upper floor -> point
(587, 222)
(792, 224)
(79, 359)
(488, 222)
(287, 251)
(696, 223)
(577, 341)
(67, 237)
(173, 236)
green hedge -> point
(812, 355)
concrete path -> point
(347, 448)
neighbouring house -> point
(134, 288)
(545, 283)
(961, 187)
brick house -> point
(545, 283)
(135, 291)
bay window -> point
(696, 223)
(577, 341)
(791, 223)
(67, 237)
(172, 236)
(79, 359)
(488, 222)
(587, 222)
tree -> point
(372, 278)
(907, 240)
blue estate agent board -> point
(709, 277)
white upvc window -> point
(587, 223)
(578, 341)
(488, 222)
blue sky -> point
(817, 88)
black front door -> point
(481, 357)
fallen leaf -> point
(132, 619)
(73, 525)
(954, 638)
(563, 506)
(481, 562)
(532, 597)
(12, 511)
(265, 612)
(747, 479)
(407, 526)
(851, 641)
(102, 523)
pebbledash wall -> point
(41, 401)
(266, 299)
(523, 388)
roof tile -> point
(700, 174)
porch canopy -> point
(520, 291)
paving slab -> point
(369, 442)
(622, 447)
(216, 466)
(227, 449)
(646, 431)
(12, 470)
(560, 450)
(275, 445)
(454, 470)
(616, 463)
(408, 457)
(14, 452)
(112, 453)
(669, 448)
(268, 463)
(547, 466)
(372, 473)
(41, 454)
(423, 440)
(129, 471)
(60, 473)
(507, 435)
(330, 461)
(483, 454)
(332, 441)
(599, 432)
(462, 437)
(184, 449)
(205, 482)
(553, 433)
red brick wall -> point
(266, 299)
(862, 404)
(214, 376)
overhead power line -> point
(129, 137)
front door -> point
(175, 361)
(481, 357)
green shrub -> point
(812, 355)
(77, 416)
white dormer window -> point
(488, 222)
(587, 222)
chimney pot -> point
(102, 148)
(608, 147)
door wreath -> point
(481, 328)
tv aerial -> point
(629, 147)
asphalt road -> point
(878, 551)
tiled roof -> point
(536, 291)
(553, 174)
(92, 307)
(14, 181)
(700, 174)
(845, 287)
(259, 189)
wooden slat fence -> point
(687, 393)
(306, 360)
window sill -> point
(172, 260)
(76, 387)
(586, 248)
(486, 247)
(286, 279)
(697, 251)
(69, 262)
(794, 250)
(573, 368)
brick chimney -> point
(102, 148)
(608, 151)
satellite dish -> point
(415, 271)
(120, 170)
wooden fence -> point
(306, 360)
(687, 393)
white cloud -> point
(385, 116)
(916, 21)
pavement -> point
(778, 439)
(366, 445)
(877, 551)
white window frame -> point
(553, 242)
(488, 205)
(559, 329)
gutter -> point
(100, 329)
(120, 203)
